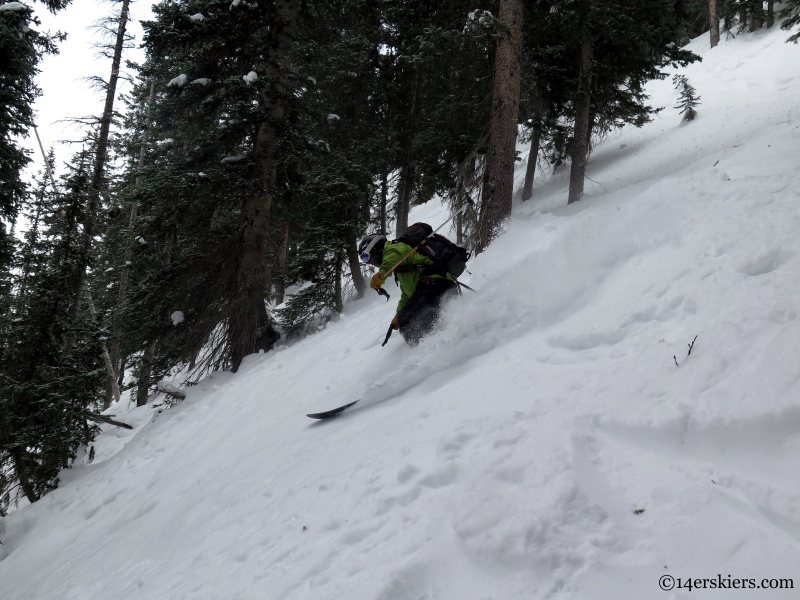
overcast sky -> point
(65, 92)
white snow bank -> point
(543, 444)
(179, 81)
(13, 6)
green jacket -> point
(392, 253)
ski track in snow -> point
(505, 456)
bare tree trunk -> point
(249, 328)
(337, 286)
(713, 21)
(101, 147)
(98, 169)
(536, 136)
(384, 199)
(580, 147)
(146, 368)
(280, 265)
(145, 371)
(355, 270)
(126, 259)
(110, 372)
(22, 475)
(770, 13)
(403, 202)
(498, 177)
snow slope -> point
(510, 455)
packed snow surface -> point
(543, 444)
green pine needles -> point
(791, 13)
(688, 99)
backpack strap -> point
(409, 268)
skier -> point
(424, 286)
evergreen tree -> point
(617, 49)
(49, 356)
(498, 178)
(688, 98)
(21, 49)
(790, 12)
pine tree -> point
(790, 12)
(21, 50)
(688, 98)
(49, 356)
(616, 55)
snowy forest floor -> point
(543, 444)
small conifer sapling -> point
(688, 99)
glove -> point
(395, 324)
(377, 281)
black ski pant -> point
(421, 312)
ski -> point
(332, 413)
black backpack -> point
(445, 254)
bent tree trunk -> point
(580, 146)
(249, 327)
(498, 178)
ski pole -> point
(388, 335)
(464, 285)
(424, 240)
